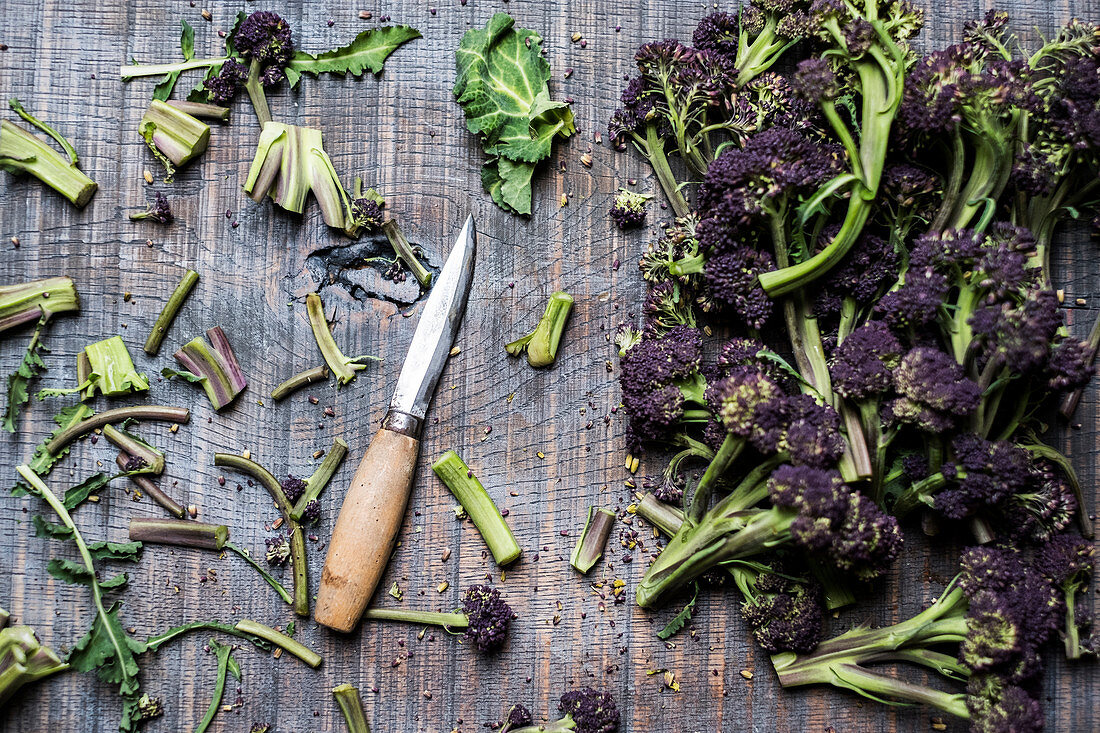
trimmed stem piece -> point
(175, 137)
(150, 489)
(216, 367)
(171, 309)
(201, 110)
(589, 549)
(432, 618)
(27, 302)
(405, 253)
(473, 497)
(180, 532)
(351, 705)
(299, 380)
(343, 367)
(24, 152)
(317, 482)
(307, 655)
(133, 447)
(99, 419)
(263, 573)
(542, 344)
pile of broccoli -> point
(871, 234)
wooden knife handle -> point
(366, 529)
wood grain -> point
(404, 134)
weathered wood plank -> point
(404, 134)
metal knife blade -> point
(435, 334)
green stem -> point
(256, 94)
(284, 642)
(133, 71)
(223, 652)
(320, 478)
(347, 697)
(343, 367)
(99, 419)
(153, 643)
(106, 623)
(655, 148)
(593, 539)
(918, 494)
(179, 532)
(25, 152)
(432, 618)
(299, 380)
(263, 573)
(731, 447)
(171, 309)
(297, 537)
(405, 253)
(457, 476)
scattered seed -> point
(193, 510)
(576, 37)
(247, 455)
(568, 72)
(207, 16)
(148, 177)
(317, 454)
(174, 429)
(454, 351)
(313, 400)
(565, 199)
(747, 674)
(540, 454)
(446, 554)
(364, 15)
(126, 297)
(586, 160)
(329, 412)
(277, 523)
(1081, 301)
(584, 43)
(221, 480)
(443, 586)
(15, 242)
(1061, 295)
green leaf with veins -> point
(95, 652)
(187, 45)
(126, 551)
(45, 528)
(369, 50)
(42, 462)
(77, 495)
(681, 619)
(502, 88)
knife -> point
(374, 506)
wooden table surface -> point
(556, 444)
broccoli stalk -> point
(351, 706)
(168, 314)
(104, 367)
(226, 663)
(23, 659)
(144, 458)
(181, 533)
(473, 497)
(261, 636)
(593, 539)
(542, 344)
(159, 211)
(201, 110)
(27, 302)
(22, 152)
(299, 380)
(320, 478)
(406, 253)
(586, 711)
(95, 421)
(484, 617)
(150, 489)
(174, 137)
(215, 367)
(297, 537)
(342, 366)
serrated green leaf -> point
(369, 50)
(44, 528)
(124, 551)
(118, 581)
(69, 571)
(169, 373)
(77, 495)
(681, 619)
(20, 379)
(42, 462)
(163, 90)
(96, 653)
(230, 45)
(187, 40)
(502, 88)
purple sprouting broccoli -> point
(743, 186)
(739, 399)
(311, 512)
(1067, 562)
(1046, 507)
(367, 212)
(158, 211)
(586, 711)
(488, 617)
(293, 487)
(864, 363)
(660, 377)
(918, 301)
(812, 436)
(667, 307)
(740, 354)
(1070, 365)
(869, 268)
(278, 550)
(934, 392)
(732, 281)
(812, 509)
(229, 80)
(786, 611)
(1000, 610)
(675, 257)
(718, 32)
(629, 209)
(518, 717)
(264, 40)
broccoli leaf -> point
(18, 381)
(680, 620)
(127, 551)
(44, 528)
(77, 495)
(369, 50)
(69, 571)
(502, 88)
(42, 462)
(169, 373)
(96, 652)
(164, 89)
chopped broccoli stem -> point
(297, 537)
(473, 497)
(133, 71)
(171, 309)
(317, 482)
(342, 366)
(27, 302)
(104, 367)
(201, 110)
(174, 137)
(256, 95)
(542, 344)
(99, 419)
(432, 618)
(589, 549)
(179, 532)
(222, 652)
(266, 575)
(152, 458)
(665, 517)
(150, 489)
(24, 152)
(405, 253)
(23, 659)
(216, 368)
(284, 642)
(153, 643)
(347, 697)
(299, 380)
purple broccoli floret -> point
(986, 473)
(737, 399)
(1067, 562)
(998, 707)
(658, 375)
(489, 617)
(1019, 335)
(935, 393)
(226, 84)
(1046, 507)
(1070, 365)
(863, 364)
(732, 280)
(293, 487)
(367, 213)
(834, 521)
(718, 32)
(869, 267)
(518, 717)
(629, 209)
(311, 512)
(590, 711)
(813, 435)
(158, 211)
(278, 550)
(786, 612)
(264, 38)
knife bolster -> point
(403, 423)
